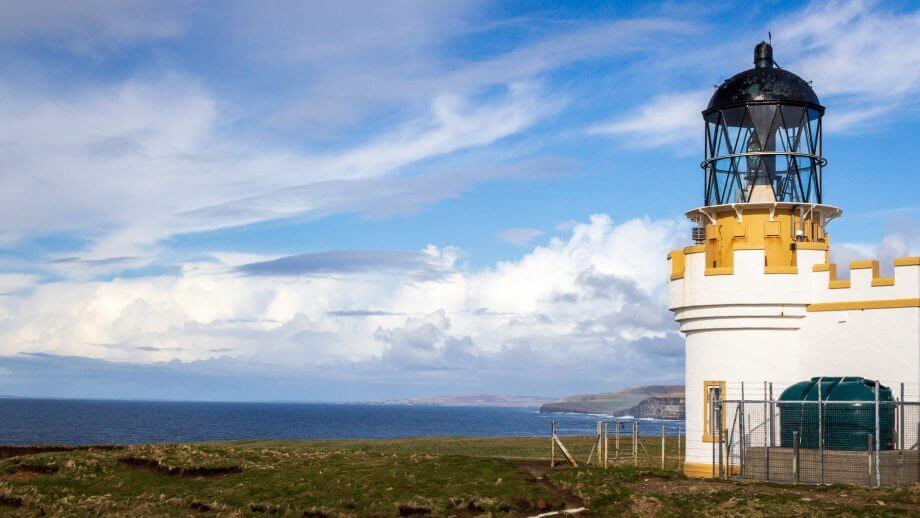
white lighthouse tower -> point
(756, 295)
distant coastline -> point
(645, 402)
(474, 400)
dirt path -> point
(537, 470)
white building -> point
(756, 296)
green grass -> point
(442, 476)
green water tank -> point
(849, 413)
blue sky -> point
(375, 200)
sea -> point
(78, 422)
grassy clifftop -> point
(611, 403)
(440, 476)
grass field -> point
(407, 477)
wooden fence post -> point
(552, 442)
(635, 443)
(600, 443)
(606, 444)
(662, 447)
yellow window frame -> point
(707, 411)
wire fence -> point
(872, 443)
(620, 442)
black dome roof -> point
(763, 84)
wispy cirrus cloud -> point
(520, 236)
(133, 168)
(91, 26)
(432, 263)
(666, 120)
(832, 44)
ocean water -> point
(82, 422)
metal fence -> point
(619, 442)
(870, 443)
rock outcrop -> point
(661, 406)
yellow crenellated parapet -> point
(832, 283)
(907, 261)
(867, 264)
(678, 260)
(678, 264)
(873, 265)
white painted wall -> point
(754, 327)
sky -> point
(355, 201)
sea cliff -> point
(650, 401)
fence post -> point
(901, 431)
(869, 460)
(635, 443)
(552, 441)
(741, 435)
(772, 423)
(820, 432)
(600, 444)
(617, 445)
(714, 458)
(721, 441)
(662, 447)
(878, 442)
(680, 452)
(795, 456)
(606, 444)
(766, 429)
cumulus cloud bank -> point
(596, 294)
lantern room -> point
(763, 137)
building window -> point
(713, 417)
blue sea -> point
(82, 422)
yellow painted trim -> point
(883, 281)
(695, 249)
(907, 261)
(811, 246)
(722, 270)
(748, 246)
(864, 265)
(832, 281)
(780, 269)
(864, 304)
(706, 385)
(678, 264)
(699, 470)
(702, 470)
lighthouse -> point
(755, 294)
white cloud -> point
(601, 290)
(126, 164)
(903, 243)
(140, 161)
(858, 53)
(863, 59)
(11, 283)
(519, 236)
(86, 25)
(666, 120)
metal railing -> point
(870, 443)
